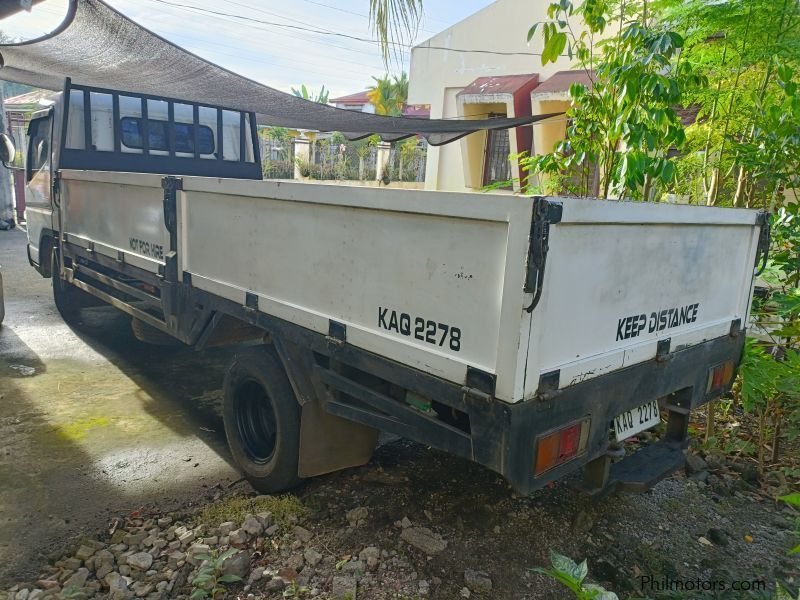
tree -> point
(306, 94)
(395, 22)
(389, 95)
(737, 45)
(624, 122)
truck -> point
(533, 335)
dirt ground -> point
(95, 426)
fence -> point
(332, 157)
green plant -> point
(794, 500)
(295, 591)
(389, 95)
(285, 509)
(624, 123)
(306, 94)
(207, 582)
(572, 575)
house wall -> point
(436, 76)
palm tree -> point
(395, 22)
(389, 96)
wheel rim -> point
(255, 421)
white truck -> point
(527, 334)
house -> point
(481, 67)
(360, 102)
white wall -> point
(436, 76)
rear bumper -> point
(677, 380)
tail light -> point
(719, 377)
(559, 446)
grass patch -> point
(236, 508)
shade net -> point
(99, 47)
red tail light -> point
(719, 377)
(560, 446)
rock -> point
(142, 588)
(357, 516)
(164, 522)
(186, 538)
(296, 562)
(700, 476)
(46, 584)
(194, 551)
(226, 527)
(405, 523)
(478, 581)
(134, 539)
(371, 555)
(252, 526)
(84, 552)
(695, 463)
(749, 473)
(118, 536)
(302, 534)
(464, 593)
(717, 536)
(271, 530)
(140, 560)
(423, 539)
(103, 570)
(312, 557)
(255, 575)
(354, 566)
(22, 594)
(265, 518)
(583, 521)
(237, 565)
(77, 579)
(704, 541)
(238, 537)
(424, 587)
(343, 588)
(72, 564)
(174, 557)
(211, 540)
(276, 584)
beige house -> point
(481, 67)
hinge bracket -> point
(764, 238)
(545, 213)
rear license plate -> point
(636, 420)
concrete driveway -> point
(93, 422)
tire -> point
(262, 420)
(65, 295)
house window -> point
(497, 167)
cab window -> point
(38, 146)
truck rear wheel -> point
(262, 420)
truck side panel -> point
(417, 277)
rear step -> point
(636, 472)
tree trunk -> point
(711, 409)
(740, 187)
(711, 197)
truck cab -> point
(107, 130)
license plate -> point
(636, 420)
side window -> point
(38, 146)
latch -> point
(764, 238)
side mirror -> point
(7, 150)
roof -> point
(559, 82)
(357, 98)
(33, 98)
(498, 84)
(417, 111)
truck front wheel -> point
(262, 420)
(65, 295)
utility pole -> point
(6, 203)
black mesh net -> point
(100, 47)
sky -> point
(259, 39)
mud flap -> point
(329, 443)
